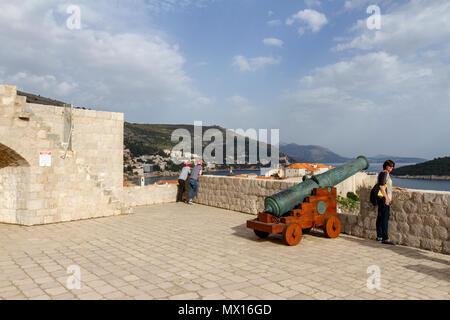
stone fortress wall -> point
(419, 219)
(247, 195)
(86, 183)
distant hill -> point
(382, 157)
(437, 167)
(311, 153)
(150, 139)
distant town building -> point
(302, 169)
(269, 172)
(138, 171)
(147, 167)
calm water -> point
(437, 185)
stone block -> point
(416, 230)
(424, 208)
(446, 247)
(417, 196)
(393, 226)
(433, 245)
(399, 216)
(357, 231)
(411, 240)
(440, 233)
(370, 234)
(444, 222)
(400, 196)
(409, 207)
(438, 210)
(396, 237)
(430, 221)
(446, 199)
(414, 219)
(427, 232)
(403, 227)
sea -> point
(374, 168)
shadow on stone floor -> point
(243, 232)
(440, 274)
(413, 253)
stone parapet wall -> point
(238, 194)
(247, 195)
(419, 219)
(151, 194)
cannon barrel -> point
(286, 200)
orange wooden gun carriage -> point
(310, 204)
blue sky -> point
(311, 68)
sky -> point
(360, 77)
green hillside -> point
(437, 167)
(150, 139)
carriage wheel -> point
(332, 227)
(292, 234)
(261, 234)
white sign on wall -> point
(45, 159)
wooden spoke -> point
(292, 234)
(332, 227)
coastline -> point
(432, 177)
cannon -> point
(309, 204)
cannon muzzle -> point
(286, 200)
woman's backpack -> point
(374, 194)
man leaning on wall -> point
(182, 180)
(193, 181)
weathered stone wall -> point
(86, 183)
(238, 194)
(247, 195)
(151, 194)
(418, 219)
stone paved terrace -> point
(176, 251)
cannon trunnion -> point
(309, 204)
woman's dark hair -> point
(389, 163)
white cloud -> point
(273, 23)
(371, 96)
(273, 42)
(94, 66)
(312, 19)
(411, 27)
(359, 4)
(254, 64)
(312, 3)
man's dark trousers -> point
(193, 187)
(382, 223)
(181, 185)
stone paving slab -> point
(177, 251)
